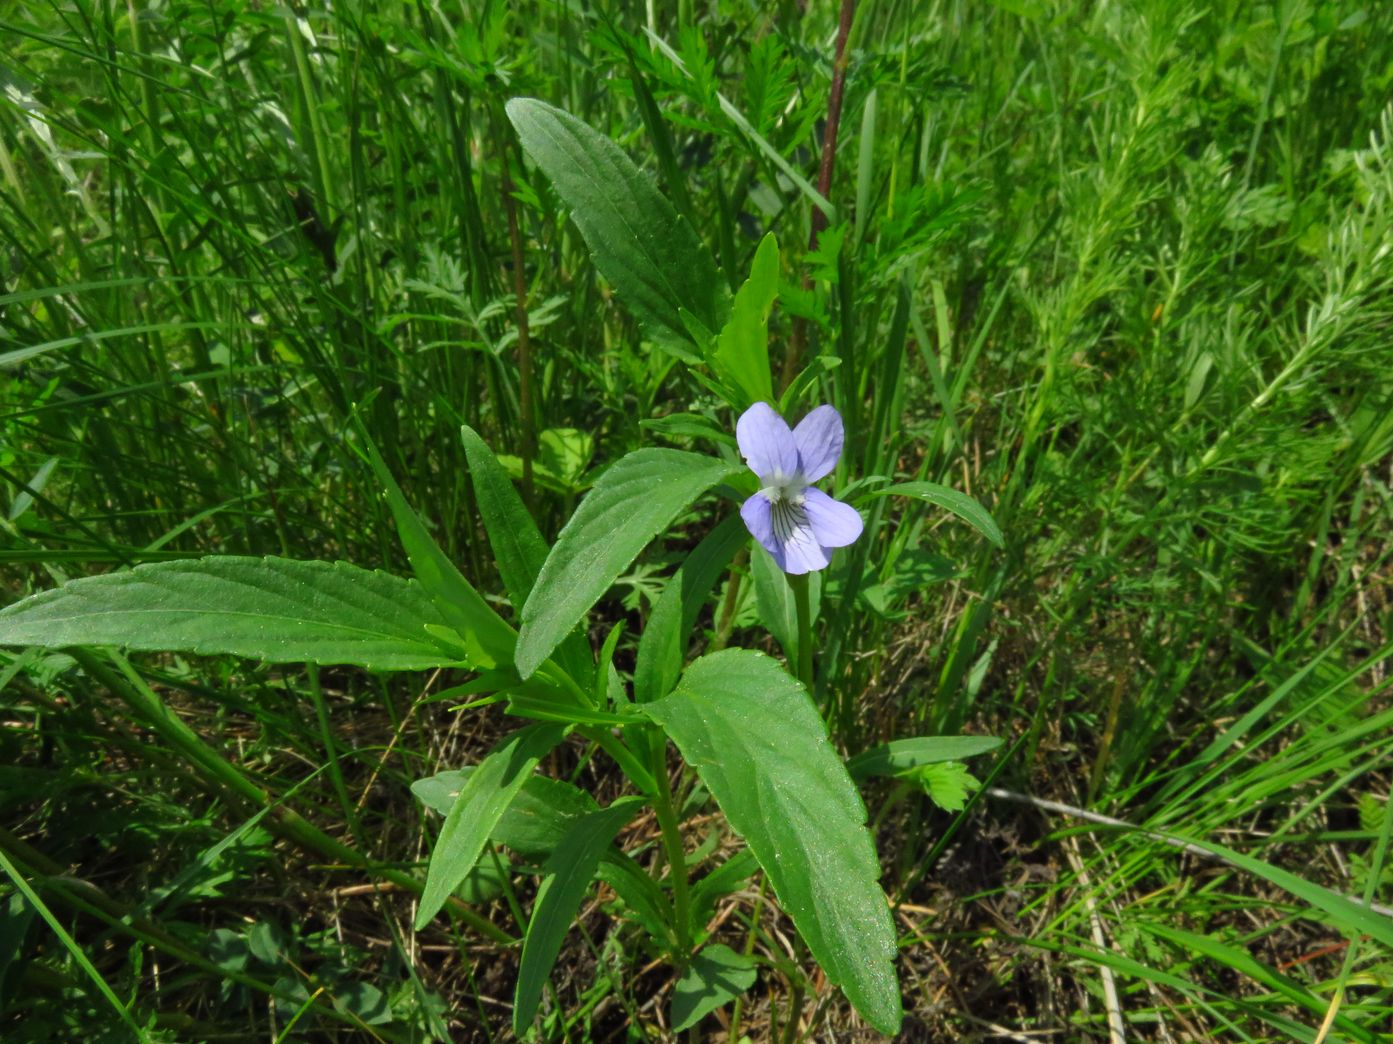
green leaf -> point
(806, 381)
(641, 245)
(569, 872)
(716, 975)
(742, 349)
(1341, 911)
(533, 825)
(674, 179)
(759, 141)
(760, 747)
(631, 503)
(485, 634)
(271, 609)
(364, 1001)
(897, 756)
(484, 883)
(960, 504)
(548, 703)
(485, 797)
(948, 784)
(774, 599)
(663, 645)
(24, 499)
(16, 915)
(566, 453)
(1185, 987)
(607, 680)
(726, 879)
(1371, 813)
(689, 426)
(912, 571)
(640, 893)
(518, 545)
(562, 457)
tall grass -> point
(1122, 271)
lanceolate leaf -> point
(901, 755)
(483, 799)
(742, 350)
(960, 504)
(631, 503)
(639, 892)
(517, 543)
(272, 609)
(663, 645)
(484, 633)
(532, 825)
(537, 821)
(774, 599)
(569, 872)
(641, 245)
(761, 748)
(727, 878)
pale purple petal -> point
(785, 532)
(799, 550)
(766, 444)
(760, 522)
(802, 553)
(819, 438)
(833, 523)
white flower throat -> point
(786, 498)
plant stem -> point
(623, 757)
(795, 1013)
(725, 621)
(803, 605)
(824, 175)
(676, 855)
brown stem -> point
(824, 176)
(725, 619)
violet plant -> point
(792, 519)
(745, 724)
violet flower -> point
(797, 524)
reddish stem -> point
(824, 174)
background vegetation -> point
(1121, 270)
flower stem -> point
(803, 605)
(676, 855)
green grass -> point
(1124, 272)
